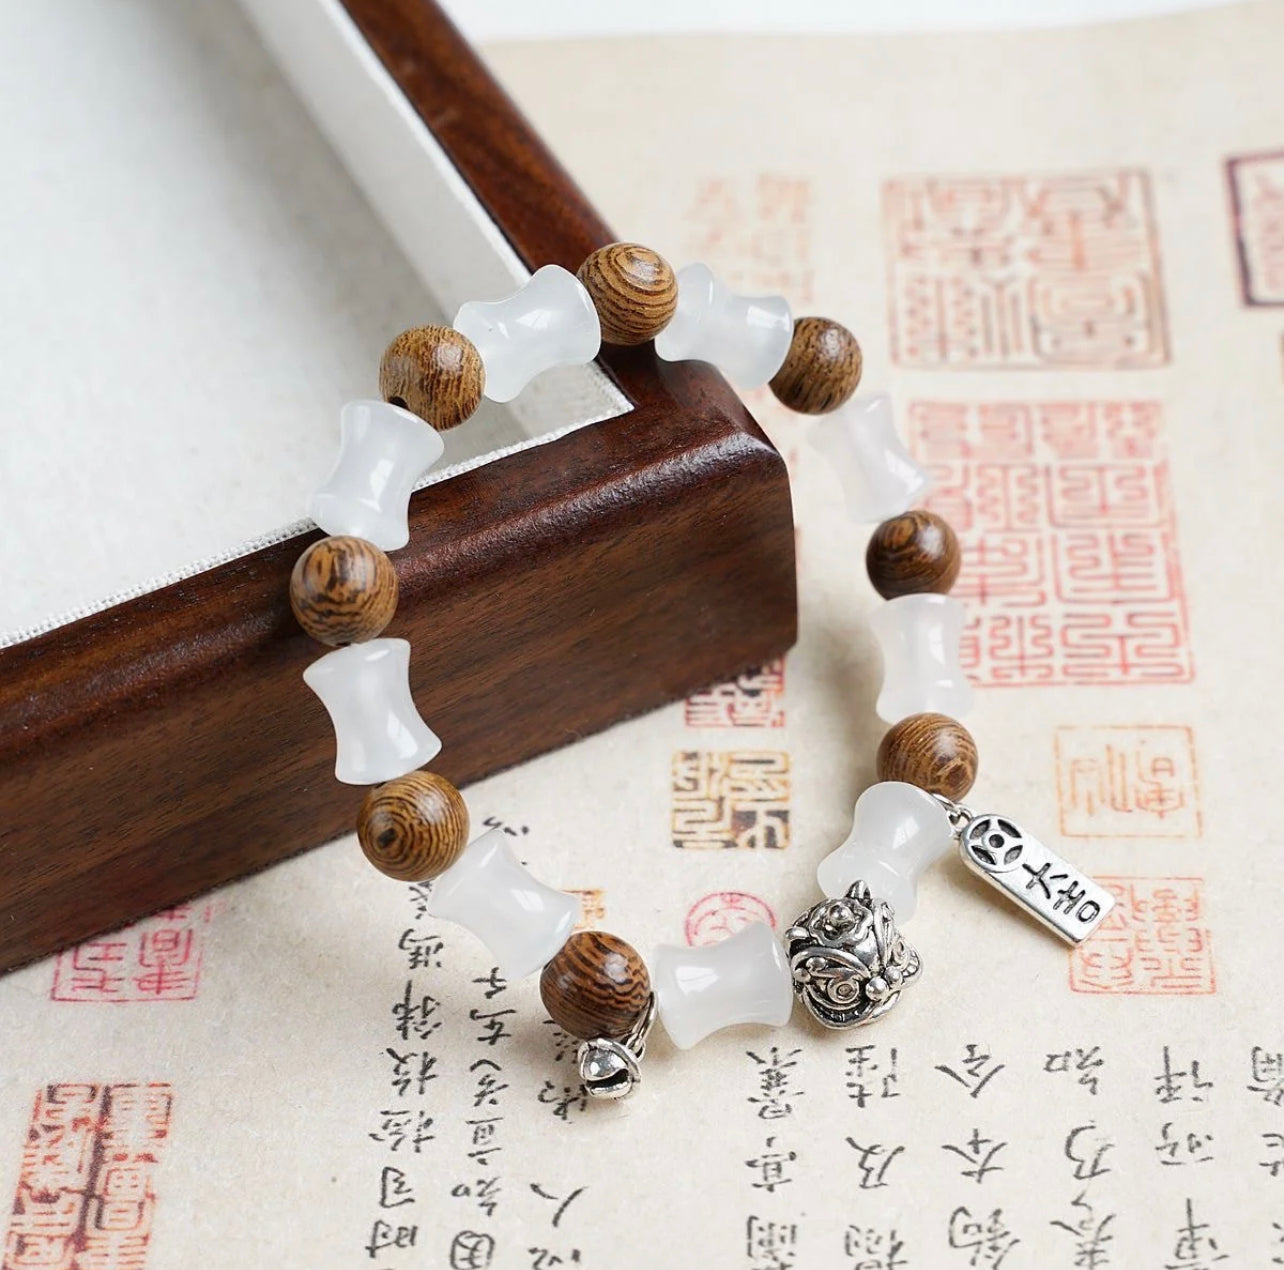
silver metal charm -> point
(849, 961)
(610, 1069)
(1066, 901)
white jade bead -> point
(897, 831)
(383, 451)
(488, 891)
(878, 476)
(920, 637)
(743, 979)
(377, 729)
(550, 321)
(744, 336)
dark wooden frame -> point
(168, 745)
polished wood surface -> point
(822, 368)
(634, 290)
(413, 827)
(169, 745)
(435, 373)
(343, 590)
(912, 553)
(932, 751)
(597, 985)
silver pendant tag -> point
(1035, 877)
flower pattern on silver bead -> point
(849, 962)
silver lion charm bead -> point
(848, 960)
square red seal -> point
(157, 959)
(1155, 941)
(755, 699)
(1065, 518)
(86, 1189)
(1118, 781)
(730, 799)
(1257, 208)
(1024, 271)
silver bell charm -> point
(848, 960)
(610, 1069)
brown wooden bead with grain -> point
(911, 553)
(822, 368)
(634, 290)
(596, 986)
(414, 827)
(343, 590)
(433, 372)
(932, 751)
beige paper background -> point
(277, 1064)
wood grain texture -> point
(911, 553)
(822, 368)
(634, 290)
(932, 751)
(433, 372)
(596, 986)
(343, 590)
(413, 827)
(546, 596)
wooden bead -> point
(821, 369)
(414, 827)
(914, 552)
(433, 372)
(596, 986)
(932, 751)
(634, 290)
(343, 590)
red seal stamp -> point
(722, 914)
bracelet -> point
(845, 958)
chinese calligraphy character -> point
(569, 1098)
(472, 1250)
(774, 1090)
(1183, 1148)
(978, 1070)
(492, 1021)
(483, 1139)
(398, 1125)
(771, 1167)
(489, 1086)
(978, 1152)
(873, 1250)
(987, 1240)
(563, 1204)
(1274, 1144)
(862, 1080)
(1170, 1083)
(873, 1162)
(394, 1188)
(770, 1245)
(1194, 1248)
(1268, 1075)
(485, 1191)
(1086, 1148)
(494, 983)
(416, 1015)
(545, 1258)
(423, 952)
(1085, 1062)
(1092, 1234)
(384, 1235)
(412, 1068)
